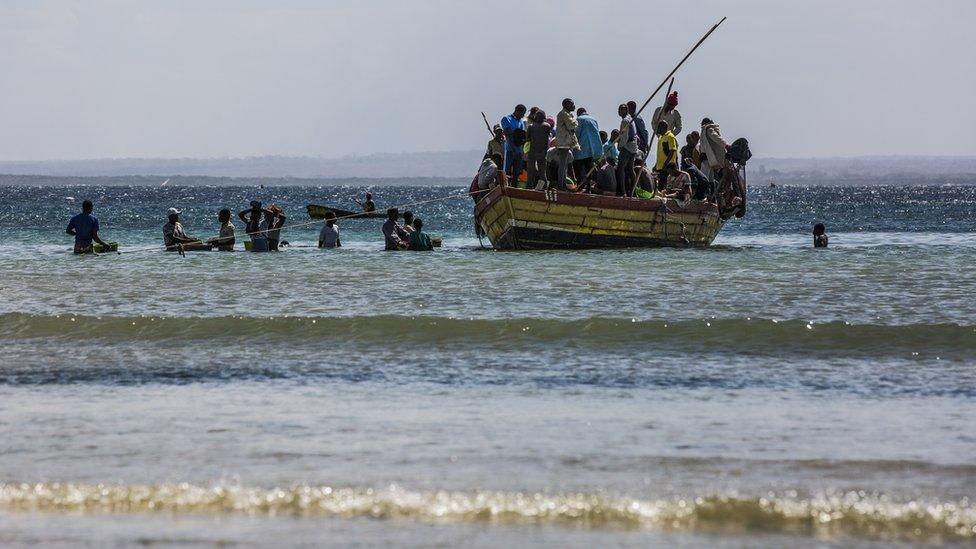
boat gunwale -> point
(595, 201)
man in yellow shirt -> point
(667, 152)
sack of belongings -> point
(739, 151)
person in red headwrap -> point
(669, 113)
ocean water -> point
(756, 393)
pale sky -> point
(199, 78)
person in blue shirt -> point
(514, 129)
(591, 146)
(84, 227)
(610, 151)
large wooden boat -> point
(316, 211)
(515, 219)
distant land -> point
(456, 167)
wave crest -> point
(749, 336)
(842, 514)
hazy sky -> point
(96, 79)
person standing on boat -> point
(393, 234)
(539, 133)
(329, 235)
(643, 143)
(591, 146)
(253, 228)
(274, 220)
(667, 152)
(514, 129)
(496, 145)
(369, 205)
(691, 159)
(175, 236)
(225, 242)
(627, 144)
(689, 152)
(84, 227)
(714, 147)
(567, 145)
(668, 113)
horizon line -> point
(456, 151)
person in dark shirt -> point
(819, 236)
(252, 226)
(691, 160)
(538, 136)
(644, 139)
(689, 152)
(394, 235)
(84, 227)
(369, 205)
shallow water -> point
(758, 392)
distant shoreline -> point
(14, 180)
(451, 166)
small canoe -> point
(316, 211)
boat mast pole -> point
(487, 125)
(678, 66)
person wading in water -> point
(84, 227)
(252, 226)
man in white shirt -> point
(175, 238)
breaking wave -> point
(748, 336)
(850, 514)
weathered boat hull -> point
(519, 219)
(316, 211)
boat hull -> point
(316, 211)
(521, 219)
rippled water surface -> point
(759, 392)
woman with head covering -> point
(669, 113)
(274, 220)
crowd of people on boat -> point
(262, 226)
(530, 149)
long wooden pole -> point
(678, 66)
(487, 125)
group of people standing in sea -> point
(262, 225)
(570, 152)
